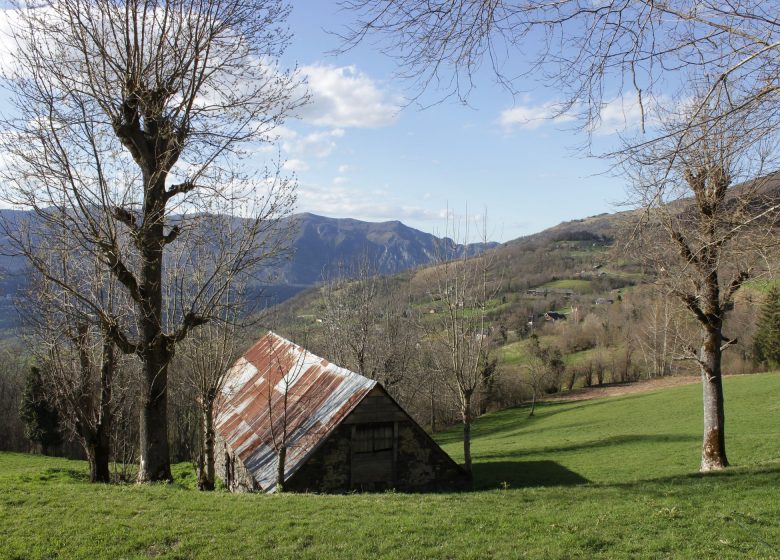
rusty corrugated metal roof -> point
(252, 410)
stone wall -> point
(423, 466)
(231, 470)
(416, 463)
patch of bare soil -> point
(619, 389)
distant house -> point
(554, 316)
(345, 432)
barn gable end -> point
(377, 447)
(346, 432)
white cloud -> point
(285, 134)
(344, 168)
(8, 19)
(530, 117)
(340, 180)
(617, 115)
(344, 97)
(340, 201)
(317, 144)
(296, 165)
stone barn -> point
(344, 431)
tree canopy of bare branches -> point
(366, 324)
(130, 120)
(458, 333)
(206, 358)
(591, 52)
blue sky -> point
(359, 150)
(357, 153)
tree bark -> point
(229, 475)
(155, 459)
(101, 451)
(281, 459)
(206, 480)
(713, 454)
(98, 457)
(96, 437)
(155, 353)
(467, 433)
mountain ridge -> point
(320, 246)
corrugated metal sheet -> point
(252, 412)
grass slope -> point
(625, 439)
(568, 284)
(596, 479)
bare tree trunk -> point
(89, 448)
(206, 459)
(96, 438)
(155, 456)
(229, 474)
(533, 403)
(433, 411)
(155, 462)
(98, 458)
(572, 380)
(467, 432)
(281, 459)
(713, 453)
(102, 447)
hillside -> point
(611, 324)
(608, 478)
(319, 247)
(569, 269)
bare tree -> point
(282, 419)
(13, 372)
(458, 333)
(206, 358)
(367, 325)
(703, 233)
(76, 356)
(593, 54)
(544, 373)
(130, 119)
(657, 335)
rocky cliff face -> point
(322, 244)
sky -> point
(359, 150)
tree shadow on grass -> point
(611, 441)
(61, 474)
(515, 420)
(523, 474)
(510, 421)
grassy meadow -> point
(608, 478)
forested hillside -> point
(568, 307)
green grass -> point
(627, 439)
(610, 478)
(568, 284)
(582, 356)
(761, 285)
(514, 353)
